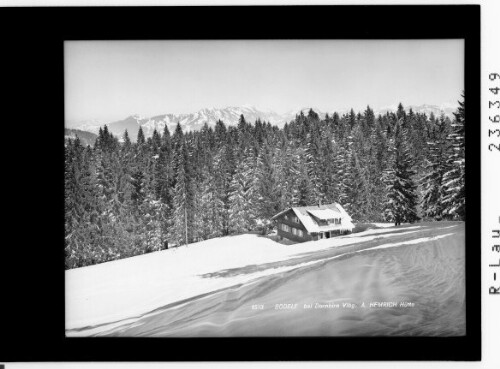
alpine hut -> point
(307, 223)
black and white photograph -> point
(264, 188)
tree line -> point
(126, 198)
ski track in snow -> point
(108, 295)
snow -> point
(313, 227)
(125, 289)
(135, 282)
(411, 242)
(421, 240)
(378, 233)
(324, 213)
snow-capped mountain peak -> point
(230, 116)
(189, 122)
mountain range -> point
(86, 138)
(230, 116)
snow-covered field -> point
(117, 297)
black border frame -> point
(36, 330)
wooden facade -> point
(290, 220)
(310, 223)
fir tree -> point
(267, 201)
(435, 169)
(314, 157)
(344, 177)
(155, 142)
(180, 200)
(214, 196)
(140, 137)
(126, 141)
(454, 178)
(401, 114)
(401, 198)
(241, 198)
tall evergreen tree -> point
(127, 144)
(435, 169)
(141, 140)
(401, 198)
(180, 234)
(454, 178)
(267, 202)
(242, 196)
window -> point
(285, 228)
(295, 219)
(300, 233)
(294, 231)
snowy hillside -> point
(121, 297)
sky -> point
(110, 80)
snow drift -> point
(128, 296)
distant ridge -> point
(230, 116)
(86, 138)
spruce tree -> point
(344, 178)
(454, 178)
(314, 159)
(180, 199)
(140, 137)
(126, 141)
(155, 142)
(267, 202)
(436, 166)
(214, 196)
(401, 114)
(241, 198)
(401, 198)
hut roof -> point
(306, 215)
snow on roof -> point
(343, 212)
(280, 213)
(325, 214)
(327, 211)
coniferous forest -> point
(125, 198)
